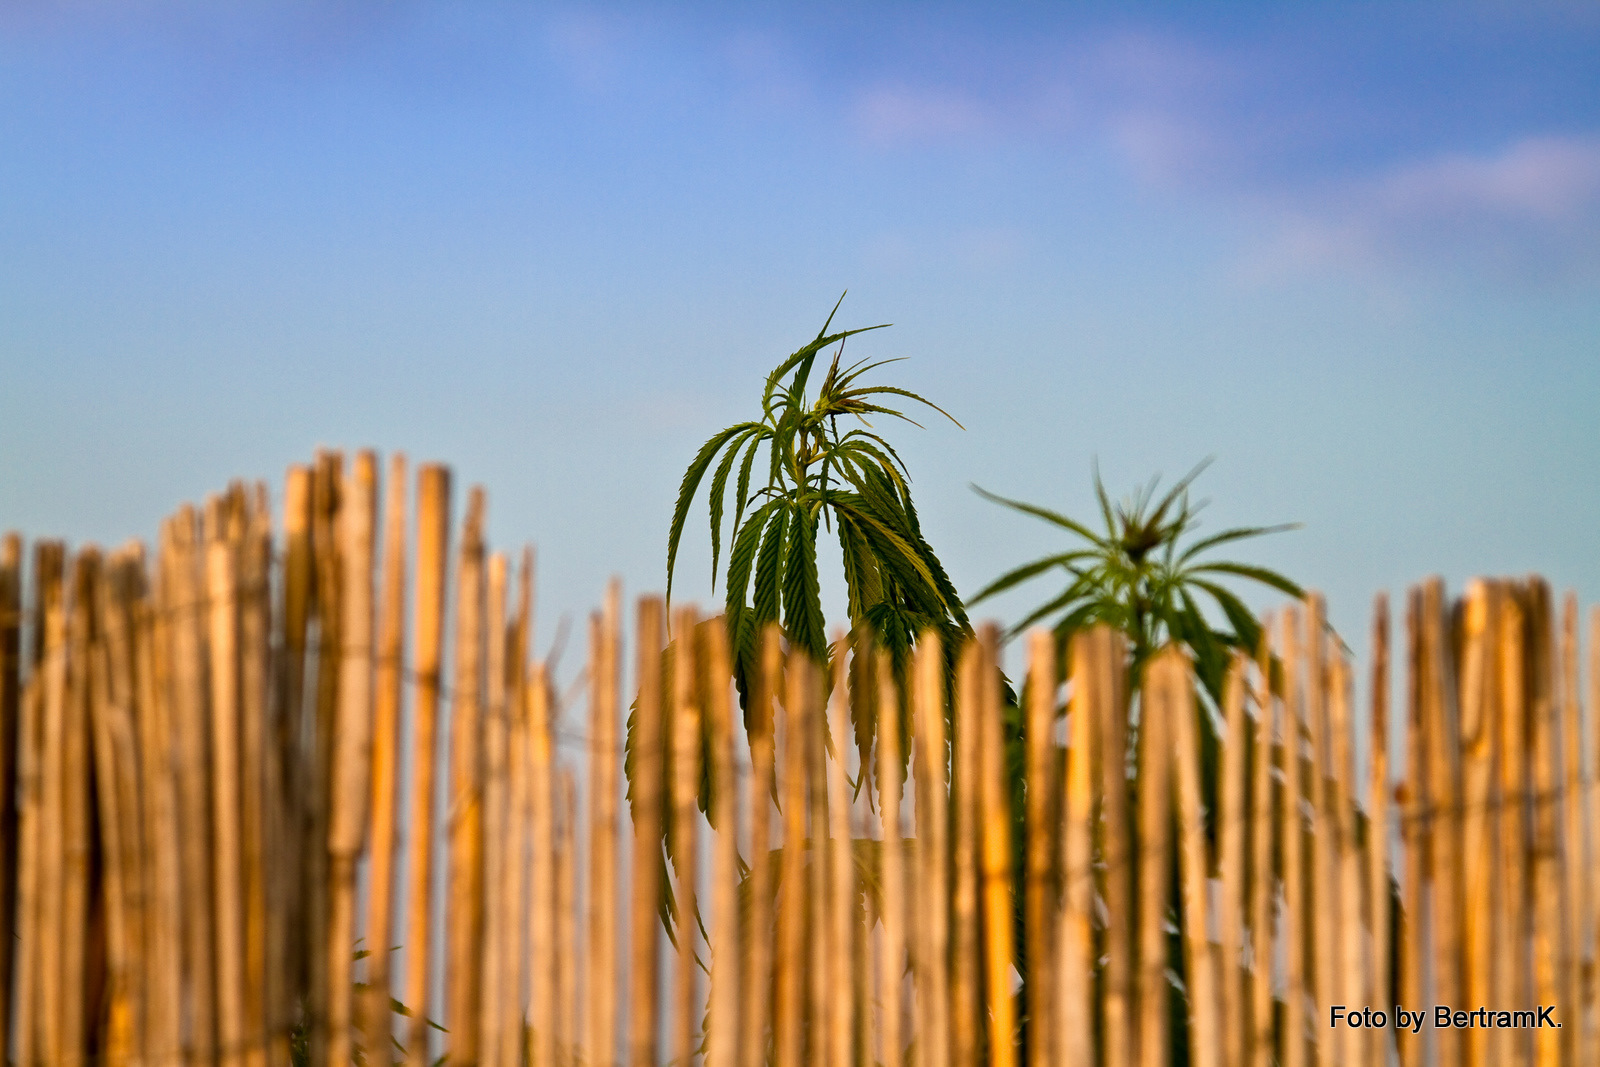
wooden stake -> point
(327, 545)
(10, 716)
(1445, 797)
(544, 888)
(1233, 823)
(932, 896)
(1575, 820)
(1292, 848)
(292, 724)
(433, 553)
(567, 1019)
(109, 685)
(1172, 674)
(789, 1007)
(1552, 937)
(1043, 815)
(1322, 891)
(514, 955)
(1117, 853)
(496, 741)
(1481, 825)
(164, 971)
(389, 677)
(645, 953)
(965, 983)
(1352, 989)
(464, 914)
(841, 893)
(1155, 817)
(1092, 694)
(603, 962)
(892, 960)
(685, 832)
(1414, 827)
(260, 782)
(995, 811)
(1264, 756)
(1378, 877)
(727, 989)
(759, 929)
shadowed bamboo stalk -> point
(789, 1007)
(840, 918)
(932, 929)
(352, 749)
(1263, 896)
(514, 956)
(10, 717)
(1445, 797)
(1322, 889)
(1575, 821)
(1043, 848)
(544, 890)
(327, 567)
(1292, 829)
(1117, 853)
(464, 913)
(1353, 947)
(644, 1013)
(75, 899)
(1378, 880)
(995, 811)
(965, 977)
(1171, 672)
(496, 739)
(433, 553)
(289, 953)
(260, 781)
(819, 943)
(1413, 833)
(892, 959)
(1233, 823)
(603, 963)
(1592, 692)
(163, 973)
(1154, 812)
(377, 1019)
(759, 928)
(1092, 690)
(1552, 938)
(722, 1048)
(685, 832)
(1480, 828)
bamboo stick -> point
(1117, 852)
(464, 915)
(38, 751)
(1575, 820)
(722, 1049)
(932, 920)
(568, 1032)
(1445, 797)
(1232, 826)
(327, 569)
(789, 1006)
(1172, 675)
(352, 748)
(1043, 815)
(685, 832)
(1480, 827)
(1292, 828)
(164, 972)
(433, 553)
(1511, 978)
(819, 943)
(995, 812)
(1322, 890)
(1154, 812)
(759, 929)
(1377, 805)
(603, 963)
(496, 739)
(1090, 658)
(1551, 934)
(892, 959)
(543, 881)
(965, 979)
(1352, 989)
(514, 956)
(221, 591)
(288, 961)
(388, 678)
(1263, 833)
(260, 775)
(841, 892)
(1592, 692)
(645, 952)
(1414, 826)
(10, 717)
(76, 1011)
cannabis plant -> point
(1142, 577)
(805, 465)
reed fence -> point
(226, 766)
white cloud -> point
(893, 113)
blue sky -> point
(1352, 251)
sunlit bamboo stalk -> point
(892, 959)
(604, 678)
(758, 932)
(965, 975)
(1233, 824)
(1172, 674)
(727, 984)
(685, 1017)
(931, 940)
(1092, 694)
(1043, 817)
(647, 800)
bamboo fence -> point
(246, 819)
